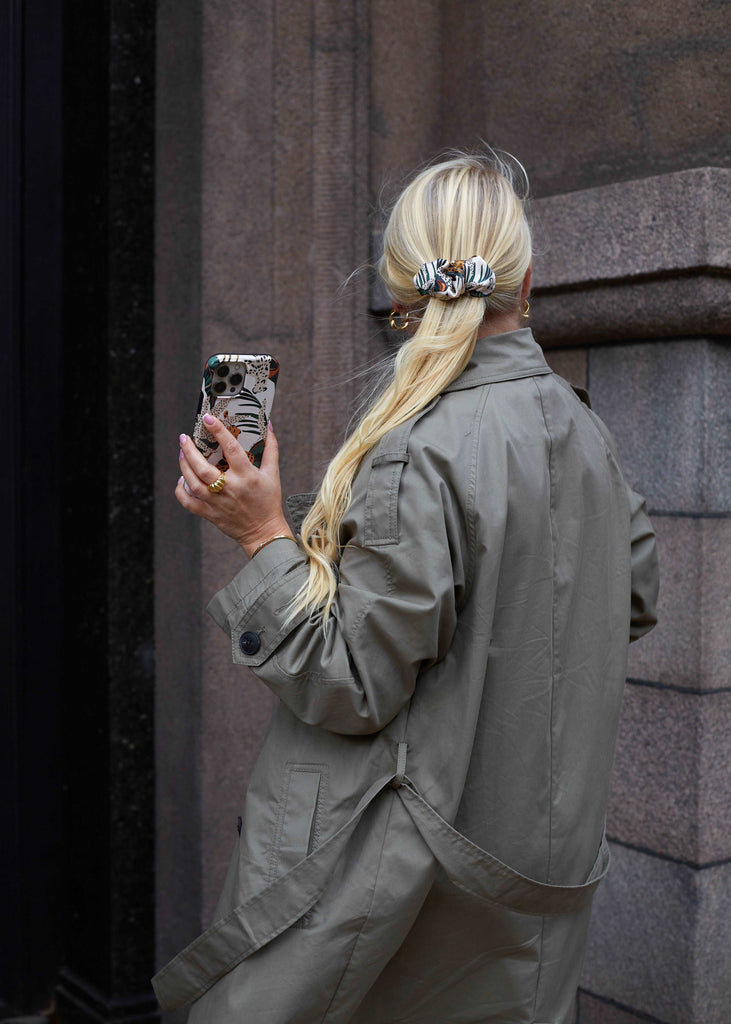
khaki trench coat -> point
(423, 830)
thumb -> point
(270, 458)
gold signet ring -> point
(218, 485)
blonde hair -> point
(464, 206)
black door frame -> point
(76, 556)
(30, 605)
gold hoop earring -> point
(398, 327)
(526, 311)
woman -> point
(423, 829)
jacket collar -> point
(502, 357)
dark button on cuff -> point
(249, 643)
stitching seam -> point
(553, 623)
(366, 918)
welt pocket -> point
(298, 823)
(380, 520)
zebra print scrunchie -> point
(445, 280)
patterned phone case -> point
(239, 390)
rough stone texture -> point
(587, 93)
(661, 225)
(670, 789)
(569, 363)
(711, 961)
(659, 939)
(667, 405)
(405, 67)
(691, 644)
(292, 226)
(636, 259)
(680, 306)
(714, 792)
(340, 155)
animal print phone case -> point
(239, 390)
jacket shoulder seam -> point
(554, 672)
(472, 493)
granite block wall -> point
(658, 943)
(586, 93)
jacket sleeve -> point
(645, 572)
(395, 609)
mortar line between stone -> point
(639, 1014)
(696, 691)
(666, 856)
(688, 515)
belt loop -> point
(400, 766)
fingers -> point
(229, 446)
(197, 473)
(250, 504)
(270, 458)
(197, 463)
(189, 501)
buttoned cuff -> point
(253, 607)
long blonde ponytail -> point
(465, 206)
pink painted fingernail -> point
(180, 480)
(269, 425)
(183, 438)
(181, 454)
(209, 419)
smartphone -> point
(239, 391)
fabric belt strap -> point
(258, 920)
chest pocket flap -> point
(381, 525)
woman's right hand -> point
(249, 507)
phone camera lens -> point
(222, 371)
(236, 379)
(219, 387)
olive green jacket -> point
(423, 829)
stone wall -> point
(585, 93)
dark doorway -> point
(76, 702)
(30, 609)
